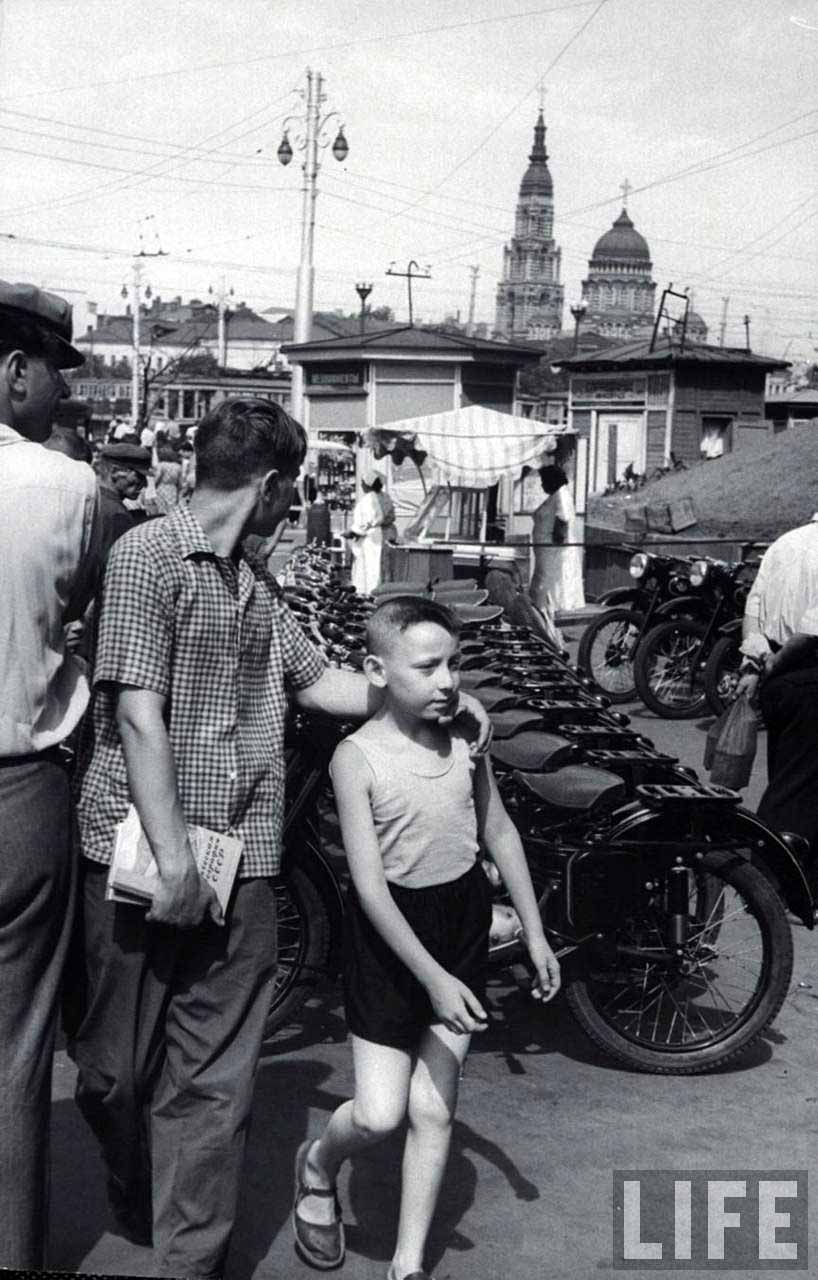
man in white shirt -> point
(780, 647)
(48, 565)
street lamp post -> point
(310, 142)
(363, 291)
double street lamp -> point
(309, 138)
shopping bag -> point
(731, 745)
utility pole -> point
(311, 142)
(221, 321)
(408, 275)
(747, 332)
(475, 272)
(138, 267)
(135, 336)
(725, 302)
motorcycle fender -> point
(766, 850)
(683, 606)
(772, 856)
(619, 596)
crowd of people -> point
(158, 646)
(176, 704)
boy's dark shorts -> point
(385, 1003)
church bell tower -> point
(530, 295)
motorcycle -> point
(670, 661)
(609, 642)
(663, 899)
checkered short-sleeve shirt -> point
(217, 640)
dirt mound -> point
(751, 494)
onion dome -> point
(537, 180)
(622, 241)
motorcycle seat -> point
(460, 597)
(477, 678)
(472, 614)
(507, 723)
(575, 789)
(531, 751)
(493, 696)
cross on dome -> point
(626, 189)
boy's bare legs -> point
(432, 1101)
(382, 1076)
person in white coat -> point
(556, 583)
(366, 536)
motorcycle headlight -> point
(638, 566)
(698, 572)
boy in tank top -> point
(415, 809)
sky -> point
(154, 124)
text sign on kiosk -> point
(335, 375)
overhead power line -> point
(496, 129)
(332, 46)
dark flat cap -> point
(128, 455)
(45, 314)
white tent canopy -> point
(472, 447)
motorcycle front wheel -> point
(606, 652)
(682, 1014)
(303, 930)
(668, 672)
(721, 674)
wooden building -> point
(639, 402)
(358, 383)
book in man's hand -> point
(134, 874)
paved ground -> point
(543, 1122)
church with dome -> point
(530, 294)
(619, 291)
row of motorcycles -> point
(672, 636)
(666, 902)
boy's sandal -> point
(319, 1246)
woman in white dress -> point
(556, 583)
(366, 536)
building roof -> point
(412, 338)
(537, 178)
(623, 241)
(325, 324)
(243, 325)
(805, 398)
(637, 354)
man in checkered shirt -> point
(196, 653)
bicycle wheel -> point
(606, 652)
(668, 670)
(683, 1011)
(721, 674)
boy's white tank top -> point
(426, 824)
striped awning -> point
(474, 446)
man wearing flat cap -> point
(48, 554)
(123, 473)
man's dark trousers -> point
(36, 895)
(167, 1053)
(789, 705)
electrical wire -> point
(295, 53)
(496, 129)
